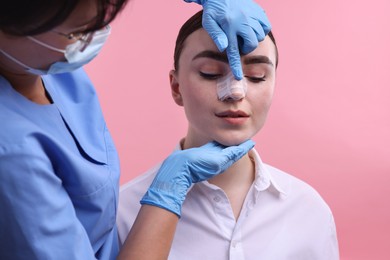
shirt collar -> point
(263, 179)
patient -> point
(252, 210)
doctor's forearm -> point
(151, 235)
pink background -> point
(330, 121)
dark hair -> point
(190, 26)
(29, 17)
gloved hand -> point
(234, 25)
(182, 168)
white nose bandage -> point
(230, 88)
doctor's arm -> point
(151, 235)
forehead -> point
(200, 40)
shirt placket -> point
(224, 213)
(230, 228)
(236, 251)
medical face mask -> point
(76, 54)
(228, 88)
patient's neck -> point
(240, 173)
(235, 181)
(237, 176)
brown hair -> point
(26, 17)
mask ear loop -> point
(229, 88)
(15, 60)
(45, 45)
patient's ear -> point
(175, 88)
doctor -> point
(59, 169)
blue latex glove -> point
(234, 25)
(182, 168)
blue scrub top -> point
(59, 174)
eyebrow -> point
(257, 59)
(219, 56)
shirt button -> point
(217, 199)
(234, 243)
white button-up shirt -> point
(282, 218)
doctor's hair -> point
(30, 17)
(191, 25)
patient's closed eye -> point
(210, 76)
(256, 79)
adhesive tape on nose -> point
(230, 88)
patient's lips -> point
(234, 117)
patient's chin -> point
(231, 142)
